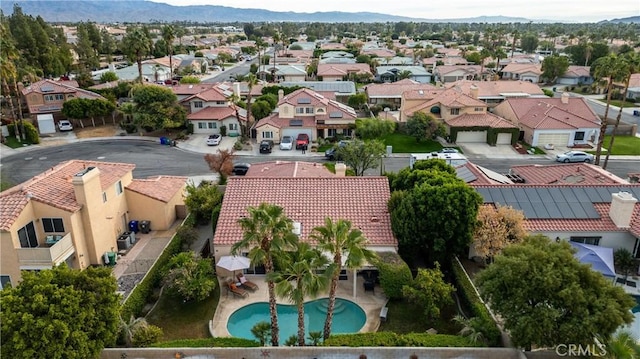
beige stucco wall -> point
(9, 264)
(505, 111)
(286, 111)
(161, 214)
(268, 128)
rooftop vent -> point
(84, 171)
(297, 228)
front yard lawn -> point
(181, 320)
(13, 142)
(407, 144)
(405, 317)
(622, 145)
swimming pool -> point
(348, 317)
(634, 327)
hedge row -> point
(391, 339)
(135, 302)
(208, 343)
(473, 301)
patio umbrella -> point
(234, 263)
(600, 258)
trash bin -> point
(145, 226)
(133, 226)
(112, 258)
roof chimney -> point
(565, 98)
(280, 94)
(341, 169)
(236, 89)
(621, 210)
(473, 91)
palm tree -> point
(341, 240)
(296, 278)
(129, 328)
(484, 54)
(606, 69)
(8, 71)
(630, 65)
(469, 329)
(138, 45)
(169, 35)
(251, 80)
(266, 230)
(622, 346)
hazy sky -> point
(567, 10)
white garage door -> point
(293, 132)
(504, 139)
(472, 137)
(556, 139)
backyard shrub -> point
(208, 343)
(146, 336)
(238, 145)
(393, 276)
(469, 295)
(30, 132)
(548, 93)
(390, 339)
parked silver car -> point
(574, 156)
(286, 143)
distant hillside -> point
(146, 11)
(626, 20)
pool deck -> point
(370, 302)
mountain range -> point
(141, 11)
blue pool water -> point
(348, 317)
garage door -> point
(504, 139)
(472, 137)
(293, 132)
(556, 139)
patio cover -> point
(600, 258)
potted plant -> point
(223, 130)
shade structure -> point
(234, 263)
(600, 258)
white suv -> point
(286, 143)
(65, 125)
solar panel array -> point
(555, 202)
(295, 122)
(463, 173)
(304, 100)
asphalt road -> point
(152, 159)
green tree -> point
(554, 67)
(60, 313)
(267, 230)
(296, 278)
(251, 80)
(129, 328)
(362, 155)
(201, 200)
(137, 45)
(529, 43)
(190, 276)
(189, 80)
(546, 297)
(262, 332)
(622, 345)
(169, 35)
(108, 77)
(341, 240)
(624, 261)
(422, 126)
(430, 291)
(260, 109)
(372, 128)
(358, 100)
(157, 107)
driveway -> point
(483, 150)
(198, 143)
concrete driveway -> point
(198, 143)
(484, 150)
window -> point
(331, 132)
(308, 110)
(212, 125)
(455, 111)
(53, 225)
(233, 126)
(197, 104)
(478, 109)
(5, 281)
(202, 125)
(579, 136)
(299, 110)
(267, 134)
(104, 197)
(52, 98)
(27, 236)
(587, 240)
(119, 187)
(221, 102)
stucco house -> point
(522, 72)
(390, 94)
(452, 73)
(342, 72)
(393, 73)
(308, 201)
(211, 109)
(289, 73)
(565, 121)
(306, 111)
(576, 75)
(333, 90)
(75, 212)
(494, 92)
(48, 96)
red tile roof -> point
(278, 122)
(515, 68)
(161, 188)
(317, 100)
(452, 98)
(343, 69)
(214, 113)
(56, 87)
(486, 119)
(496, 88)
(395, 89)
(362, 200)
(191, 89)
(567, 174)
(55, 189)
(277, 169)
(552, 113)
(577, 71)
(208, 95)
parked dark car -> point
(332, 153)
(240, 169)
(266, 146)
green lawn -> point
(181, 320)
(406, 144)
(622, 145)
(13, 142)
(619, 103)
(404, 317)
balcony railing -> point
(46, 256)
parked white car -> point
(214, 140)
(65, 125)
(574, 156)
(286, 143)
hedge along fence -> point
(391, 339)
(492, 133)
(208, 343)
(136, 300)
(472, 299)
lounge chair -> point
(244, 282)
(237, 291)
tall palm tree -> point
(138, 45)
(266, 230)
(606, 69)
(622, 346)
(630, 64)
(251, 80)
(484, 54)
(8, 70)
(296, 278)
(169, 35)
(341, 240)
